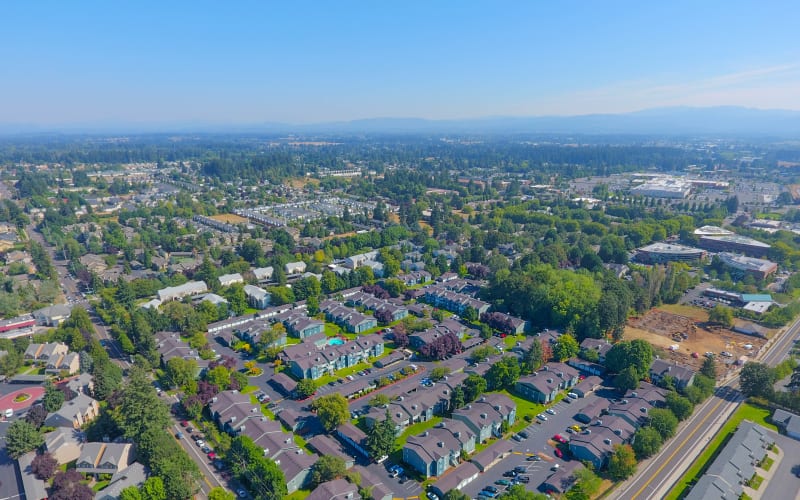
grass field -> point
(698, 468)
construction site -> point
(686, 338)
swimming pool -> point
(335, 341)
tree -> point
(721, 315)
(565, 347)
(622, 463)
(518, 492)
(709, 368)
(756, 379)
(663, 421)
(327, 468)
(130, 493)
(21, 438)
(305, 388)
(637, 353)
(534, 358)
(219, 493)
(44, 466)
(455, 495)
(53, 397)
(679, 405)
(586, 484)
(504, 373)
(332, 410)
(139, 406)
(68, 486)
(36, 416)
(380, 439)
(627, 380)
(646, 442)
(153, 489)
(380, 399)
(439, 372)
(457, 399)
(474, 386)
(260, 473)
(180, 371)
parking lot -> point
(539, 443)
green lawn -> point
(249, 389)
(511, 340)
(745, 412)
(99, 485)
(298, 495)
(524, 407)
(768, 463)
(415, 429)
(756, 481)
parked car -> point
(559, 453)
(184, 423)
(200, 443)
(534, 458)
(524, 434)
(520, 469)
(555, 467)
(486, 494)
(509, 473)
(523, 479)
(179, 435)
(561, 439)
(516, 437)
(212, 455)
(550, 411)
(503, 482)
(572, 395)
(541, 416)
(490, 488)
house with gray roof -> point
(380, 490)
(436, 450)
(338, 489)
(256, 296)
(456, 479)
(53, 315)
(353, 436)
(64, 444)
(35, 488)
(734, 464)
(263, 274)
(787, 422)
(486, 415)
(296, 466)
(325, 445)
(134, 475)
(74, 413)
(682, 376)
(185, 290)
(230, 279)
(104, 458)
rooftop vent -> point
(607, 441)
(440, 444)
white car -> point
(550, 411)
(542, 416)
(200, 443)
(748, 346)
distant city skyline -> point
(310, 62)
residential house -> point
(596, 443)
(74, 413)
(44, 353)
(66, 363)
(257, 297)
(35, 488)
(600, 346)
(184, 290)
(53, 315)
(636, 405)
(230, 279)
(380, 490)
(64, 444)
(349, 319)
(82, 384)
(592, 411)
(295, 267)
(543, 386)
(327, 446)
(104, 458)
(133, 476)
(307, 360)
(338, 489)
(353, 436)
(296, 466)
(486, 415)
(563, 478)
(263, 274)
(734, 464)
(283, 384)
(452, 301)
(436, 450)
(456, 479)
(787, 422)
(661, 369)
(493, 454)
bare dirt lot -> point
(229, 218)
(663, 328)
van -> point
(9, 413)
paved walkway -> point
(7, 401)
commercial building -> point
(181, 291)
(664, 187)
(741, 265)
(734, 243)
(658, 253)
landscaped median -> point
(698, 468)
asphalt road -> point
(662, 471)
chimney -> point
(483, 415)
(440, 444)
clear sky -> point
(299, 61)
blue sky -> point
(301, 61)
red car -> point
(560, 439)
(212, 455)
(559, 453)
(184, 423)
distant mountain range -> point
(725, 120)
